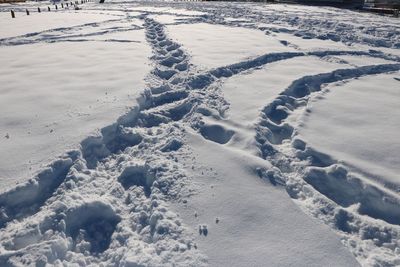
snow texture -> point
(145, 133)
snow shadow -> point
(92, 223)
(27, 198)
(216, 133)
(137, 175)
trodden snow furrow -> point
(204, 80)
(49, 37)
(319, 183)
(111, 196)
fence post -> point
(12, 14)
(56, 7)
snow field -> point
(85, 84)
(369, 122)
(215, 153)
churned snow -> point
(155, 133)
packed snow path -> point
(184, 179)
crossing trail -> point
(137, 192)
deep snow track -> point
(337, 189)
(96, 204)
(109, 201)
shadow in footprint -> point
(137, 175)
(93, 222)
(216, 133)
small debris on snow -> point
(203, 230)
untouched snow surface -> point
(199, 134)
(213, 46)
(52, 96)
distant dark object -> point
(27, 12)
(383, 6)
(38, 9)
(101, 1)
(56, 7)
(336, 3)
(380, 10)
(12, 14)
(48, 8)
(62, 5)
(394, 4)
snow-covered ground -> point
(53, 96)
(199, 133)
